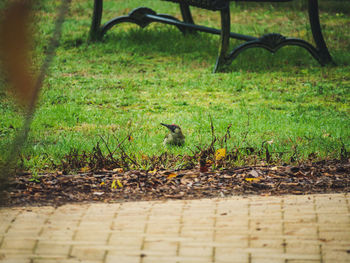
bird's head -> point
(173, 128)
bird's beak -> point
(170, 127)
(166, 125)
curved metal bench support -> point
(142, 17)
(274, 44)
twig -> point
(247, 131)
(124, 153)
(106, 144)
(213, 137)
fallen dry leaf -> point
(220, 154)
(189, 184)
(118, 170)
(172, 175)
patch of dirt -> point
(119, 186)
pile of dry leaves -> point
(117, 185)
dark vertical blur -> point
(15, 50)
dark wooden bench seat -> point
(143, 16)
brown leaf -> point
(253, 173)
(203, 169)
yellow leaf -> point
(114, 186)
(118, 170)
(153, 172)
(119, 183)
(209, 162)
(84, 169)
(257, 179)
(102, 183)
(172, 175)
(220, 154)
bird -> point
(175, 137)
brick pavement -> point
(254, 229)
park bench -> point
(143, 16)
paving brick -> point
(301, 229)
(27, 233)
(85, 253)
(294, 217)
(60, 260)
(338, 218)
(266, 260)
(303, 247)
(229, 255)
(52, 248)
(15, 260)
(166, 248)
(14, 257)
(264, 254)
(335, 235)
(237, 241)
(18, 243)
(57, 233)
(304, 261)
(126, 240)
(336, 254)
(159, 259)
(196, 251)
(92, 235)
(122, 258)
(276, 244)
(199, 234)
(162, 228)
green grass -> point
(136, 78)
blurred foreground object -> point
(15, 40)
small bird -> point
(175, 137)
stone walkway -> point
(254, 229)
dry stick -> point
(120, 143)
(213, 137)
(123, 152)
(22, 135)
(106, 144)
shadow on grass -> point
(159, 41)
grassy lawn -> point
(100, 93)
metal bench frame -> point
(143, 16)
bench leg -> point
(95, 29)
(187, 16)
(221, 61)
(325, 57)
